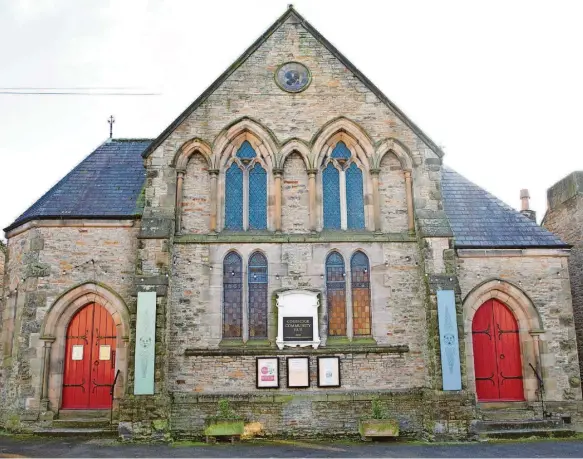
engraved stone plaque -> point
(297, 319)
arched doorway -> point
(497, 355)
(89, 359)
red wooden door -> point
(497, 358)
(89, 359)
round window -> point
(293, 77)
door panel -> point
(89, 359)
(497, 358)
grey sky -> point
(498, 84)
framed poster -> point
(267, 372)
(298, 371)
(328, 371)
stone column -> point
(44, 397)
(312, 194)
(277, 174)
(409, 192)
(179, 185)
(214, 173)
(376, 200)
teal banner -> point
(145, 344)
(448, 340)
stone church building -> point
(294, 244)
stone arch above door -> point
(54, 329)
(529, 325)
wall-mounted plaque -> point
(77, 352)
(267, 372)
(297, 319)
(328, 372)
(298, 372)
(298, 328)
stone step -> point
(531, 424)
(75, 432)
(508, 415)
(83, 414)
(503, 405)
(95, 423)
(526, 433)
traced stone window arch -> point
(246, 191)
(258, 303)
(232, 296)
(336, 294)
(360, 280)
(342, 190)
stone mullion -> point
(409, 193)
(214, 175)
(376, 200)
(343, 203)
(277, 173)
(179, 193)
(312, 197)
(246, 198)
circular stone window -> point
(293, 77)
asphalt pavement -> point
(22, 446)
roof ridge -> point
(256, 44)
(131, 139)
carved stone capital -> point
(312, 171)
(278, 172)
(375, 171)
(213, 172)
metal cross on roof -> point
(111, 120)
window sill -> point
(238, 343)
(344, 341)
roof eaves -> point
(262, 39)
(18, 223)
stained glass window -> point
(234, 198)
(257, 197)
(232, 296)
(354, 198)
(331, 187)
(340, 151)
(257, 296)
(336, 294)
(360, 274)
(246, 151)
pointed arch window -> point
(342, 190)
(336, 294)
(246, 191)
(360, 279)
(257, 279)
(232, 296)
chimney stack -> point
(525, 206)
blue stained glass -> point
(246, 151)
(331, 188)
(354, 198)
(234, 198)
(341, 151)
(257, 198)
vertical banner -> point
(448, 340)
(145, 344)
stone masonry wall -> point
(393, 197)
(545, 280)
(251, 91)
(196, 196)
(44, 263)
(398, 311)
(295, 201)
(566, 220)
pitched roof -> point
(106, 184)
(480, 220)
(262, 39)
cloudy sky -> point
(498, 84)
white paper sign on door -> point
(77, 352)
(104, 352)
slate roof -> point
(480, 220)
(106, 184)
